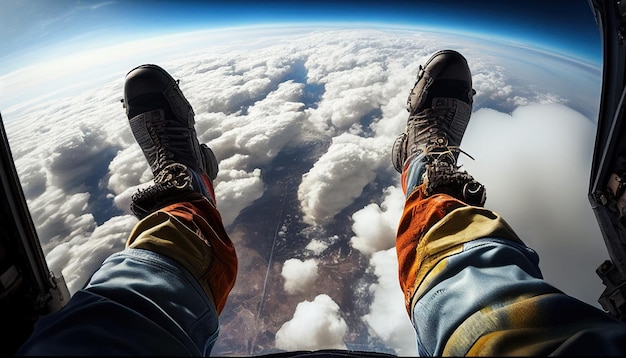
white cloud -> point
(236, 190)
(259, 135)
(492, 83)
(535, 164)
(299, 275)
(58, 258)
(340, 175)
(350, 94)
(57, 214)
(315, 325)
(32, 176)
(74, 159)
(129, 168)
(388, 318)
(317, 246)
(80, 256)
(375, 226)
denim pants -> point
(138, 303)
(472, 287)
(160, 296)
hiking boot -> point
(440, 106)
(162, 122)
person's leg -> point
(162, 121)
(162, 295)
(471, 285)
(439, 107)
(155, 297)
(192, 234)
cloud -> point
(73, 160)
(80, 256)
(350, 94)
(493, 84)
(58, 214)
(535, 164)
(128, 169)
(315, 325)
(375, 226)
(317, 246)
(299, 275)
(260, 135)
(236, 190)
(387, 318)
(32, 176)
(339, 176)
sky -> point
(38, 24)
(336, 105)
(42, 32)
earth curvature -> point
(302, 120)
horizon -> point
(34, 30)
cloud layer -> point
(338, 98)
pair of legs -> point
(471, 285)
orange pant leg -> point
(419, 215)
(207, 223)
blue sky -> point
(38, 26)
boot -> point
(440, 106)
(162, 121)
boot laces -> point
(432, 135)
(174, 176)
(173, 184)
(171, 141)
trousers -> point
(471, 287)
(161, 295)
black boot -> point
(162, 122)
(440, 106)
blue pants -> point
(137, 303)
(471, 287)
